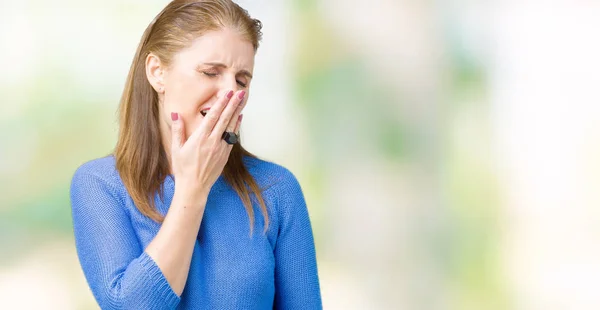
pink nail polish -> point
(174, 116)
(229, 94)
(242, 94)
(240, 117)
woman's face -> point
(215, 63)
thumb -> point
(176, 131)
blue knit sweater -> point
(230, 269)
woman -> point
(171, 219)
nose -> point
(228, 82)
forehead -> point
(223, 46)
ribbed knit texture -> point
(230, 269)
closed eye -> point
(210, 74)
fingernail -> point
(229, 94)
(240, 117)
(174, 116)
(241, 95)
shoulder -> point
(279, 185)
(103, 168)
(101, 171)
(270, 175)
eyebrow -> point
(218, 64)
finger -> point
(212, 117)
(177, 133)
(227, 114)
(235, 118)
(238, 124)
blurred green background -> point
(448, 150)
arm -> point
(120, 274)
(296, 276)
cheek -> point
(185, 95)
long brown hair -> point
(142, 165)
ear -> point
(155, 73)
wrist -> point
(190, 197)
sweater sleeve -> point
(120, 274)
(296, 275)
